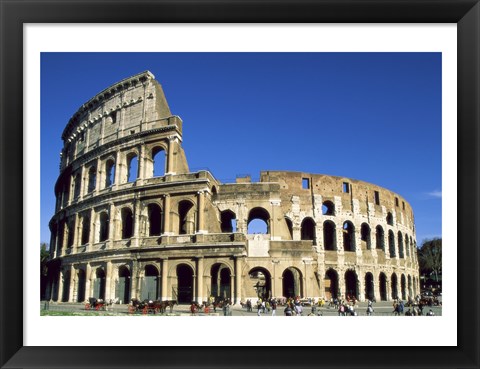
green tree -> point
(430, 257)
(44, 256)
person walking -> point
(274, 307)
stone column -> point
(341, 284)
(60, 286)
(238, 276)
(376, 286)
(112, 225)
(99, 181)
(388, 286)
(93, 230)
(88, 279)
(118, 170)
(136, 225)
(166, 215)
(134, 280)
(199, 273)
(361, 285)
(141, 166)
(108, 280)
(171, 149)
(76, 233)
(200, 211)
(71, 286)
(83, 184)
(165, 294)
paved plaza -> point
(383, 308)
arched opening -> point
(158, 159)
(123, 285)
(329, 236)
(383, 286)
(92, 179)
(71, 232)
(99, 284)
(351, 284)
(328, 208)
(77, 186)
(415, 283)
(400, 245)
(289, 227)
(104, 225)
(391, 243)
(186, 215)
(394, 284)
(380, 238)
(81, 285)
(331, 284)
(369, 286)
(390, 219)
(66, 286)
(407, 246)
(365, 236)
(184, 284)
(221, 287)
(292, 282)
(132, 167)
(150, 283)
(308, 229)
(261, 281)
(228, 221)
(348, 236)
(127, 223)
(154, 220)
(258, 221)
(403, 287)
(410, 291)
(109, 173)
(85, 230)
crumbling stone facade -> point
(132, 221)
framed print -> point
(32, 33)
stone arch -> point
(77, 186)
(382, 284)
(257, 216)
(308, 229)
(331, 284)
(380, 238)
(369, 286)
(155, 219)
(92, 179)
(132, 167)
(99, 283)
(365, 236)
(228, 221)
(221, 281)
(351, 284)
(260, 281)
(389, 219)
(292, 282)
(185, 285)
(329, 235)
(410, 291)
(403, 287)
(122, 286)
(394, 286)
(159, 160)
(348, 231)
(400, 245)
(127, 222)
(66, 286)
(289, 223)
(109, 172)
(407, 246)
(186, 217)
(328, 208)
(104, 226)
(81, 282)
(391, 244)
(85, 229)
(150, 283)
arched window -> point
(71, 233)
(85, 229)
(132, 167)
(329, 236)
(92, 179)
(365, 236)
(104, 226)
(228, 221)
(328, 208)
(258, 221)
(400, 245)
(127, 223)
(186, 214)
(308, 229)
(77, 186)
(158, 159)
(390, 219)
(348, 236)
(391, 244)
(154, 220)
(380, 238)
(290, 227)
(109, 173)
(407, 246)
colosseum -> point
(132, 221)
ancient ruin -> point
(132, 221)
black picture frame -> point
(465, 13)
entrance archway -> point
(351, 284)
(394, 286)
(410, 292)
(292, 282)
(331, 284)
(369, 286)
(66, 286)
(382, 279)
(221, 286)
(81, 286)
(99, 284)
(403, 287)
(184, 284)
(123, 285)
(261, 282)
(150, 283)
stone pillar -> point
(112, 226)
(361, 285)
(199, 273)
(171, 150)
(118, 170)
(99, 181)
(134, 280)
(388, 284)
(60, 286)
(200, 211)
(376, 286)
(88, 280)
(71, 286)
(83, 184)
(141, 166)
(76, 233)
(166, 215)
(238, 276)
(341, 284)
(321, 274)
(136, 224)
(165, 294)
(108, 280)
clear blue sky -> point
(369, 116)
